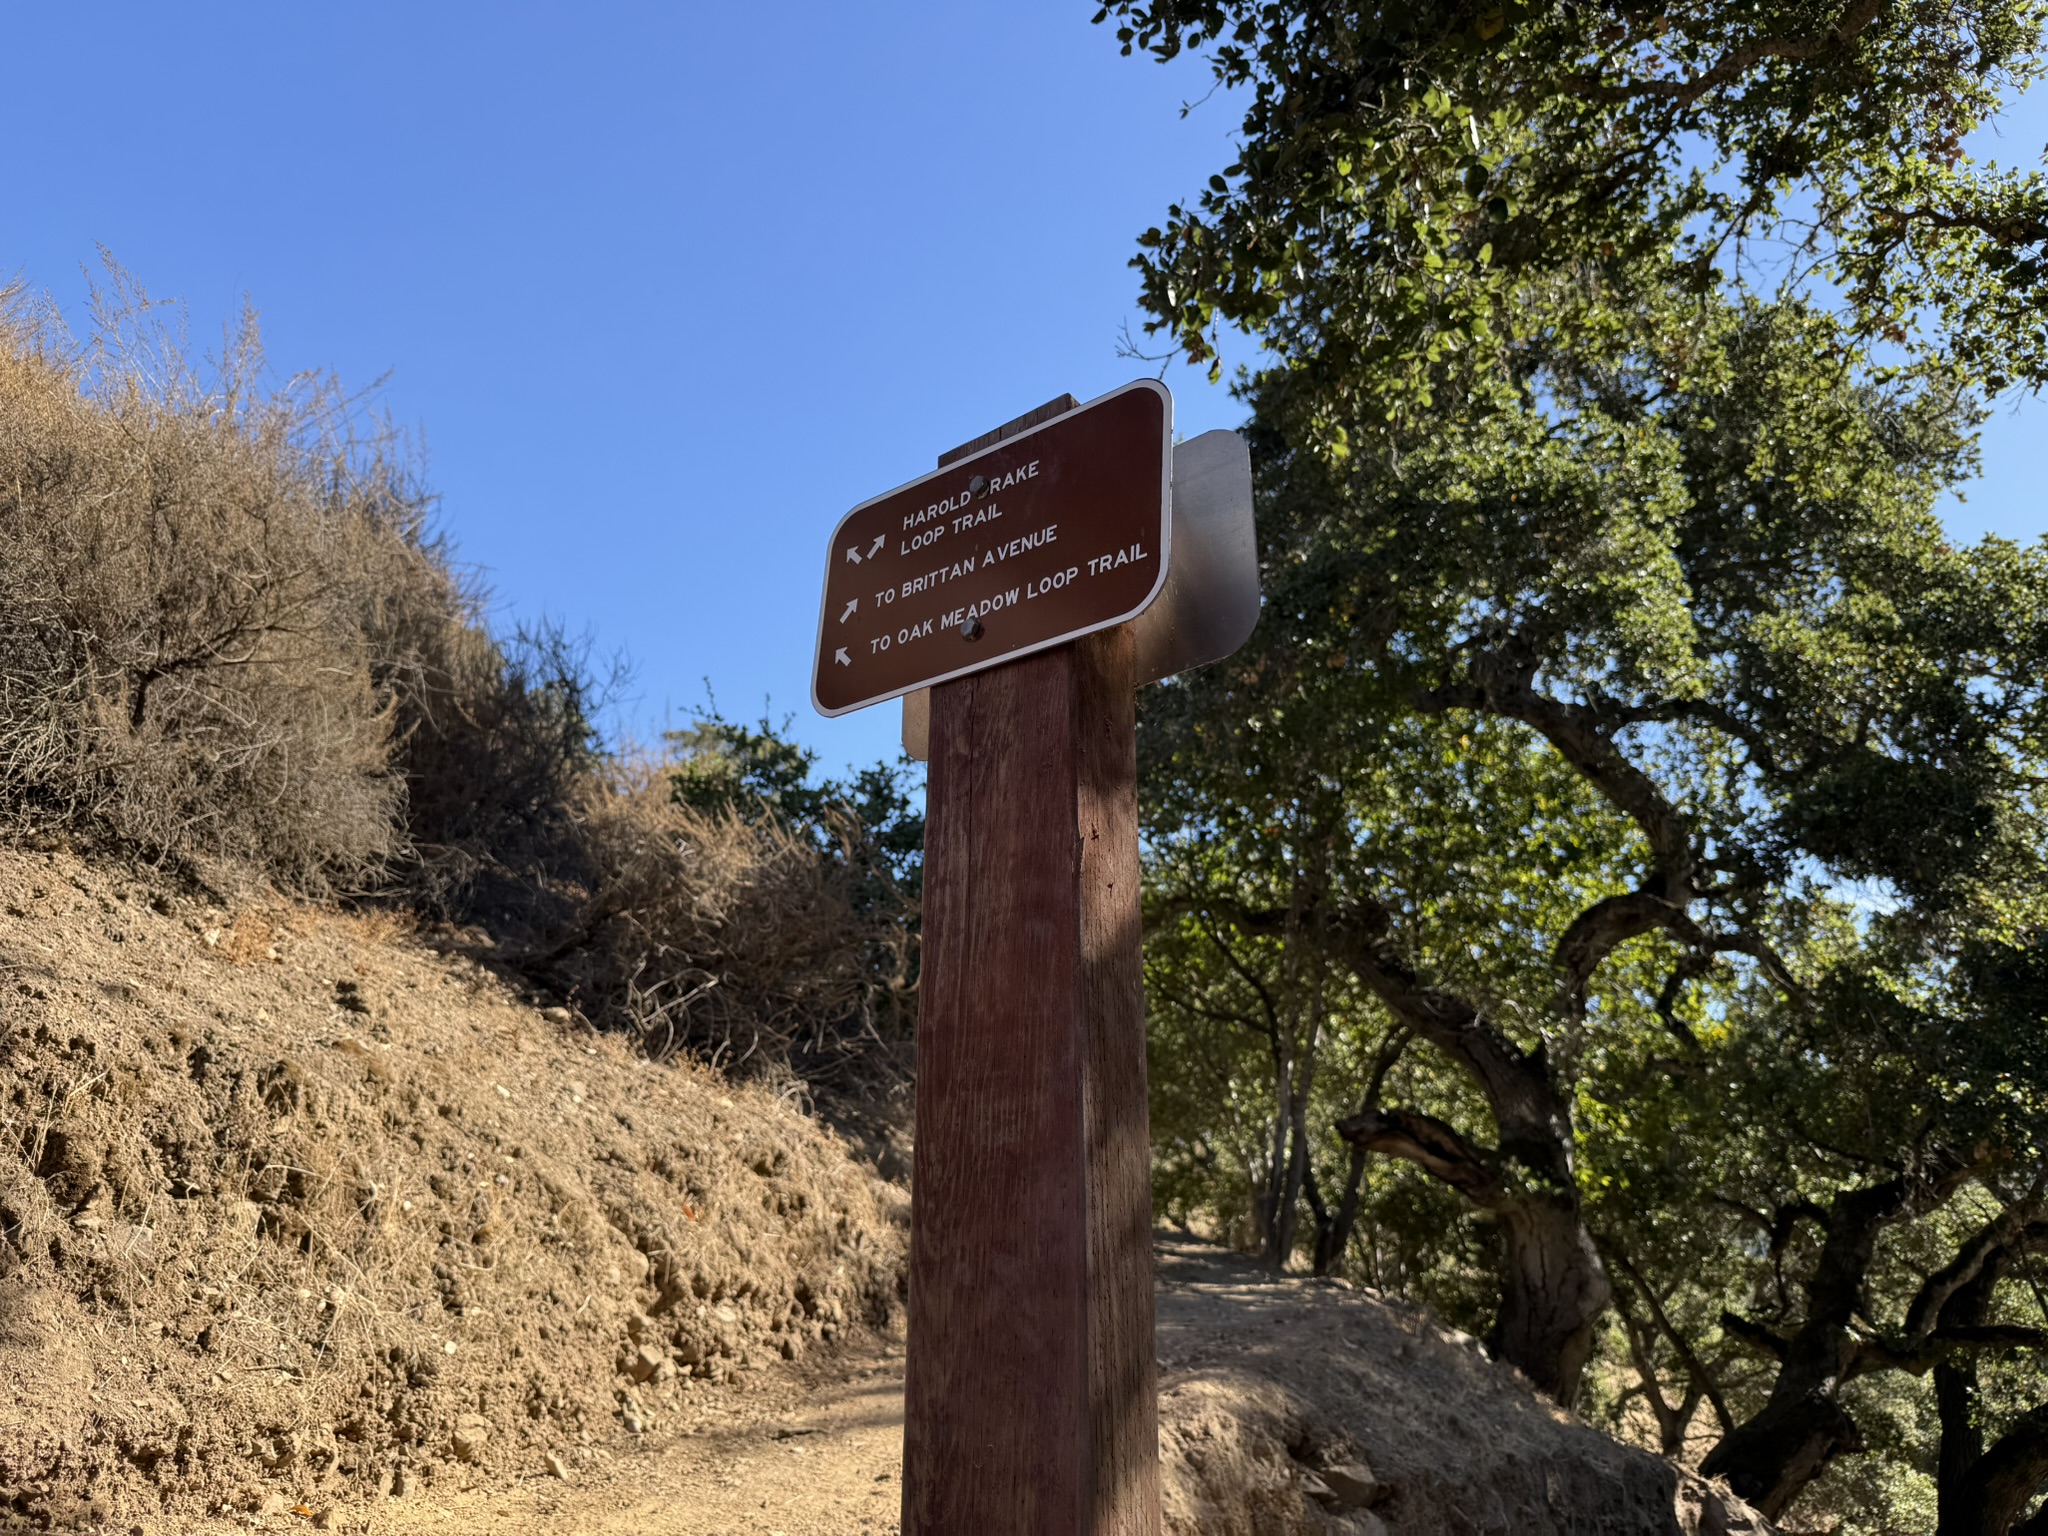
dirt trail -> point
(810, 1453)
(1288, 1407)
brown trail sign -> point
(1210, 601)
(1030, 1398)
(1004, 550)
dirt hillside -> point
(297, 1213)
(311, 1222)
(1298, 1407)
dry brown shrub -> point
(496, 742)
(226, 632)
(729, 938)
(191, 573)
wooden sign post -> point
(1031, 1392)
(1030, 1405)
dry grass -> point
(228, 638)
(192, 568)
(1273, 1387)
(731, 939)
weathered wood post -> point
(1018, 597)
(1030, 1405)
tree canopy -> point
(1430, 184)
(1626, 828)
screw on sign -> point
(1016, 584)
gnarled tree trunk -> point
(1984, 1492)
(1771, 1458)
(1553, 1285)
(1553, 1292)
(2001, 1483)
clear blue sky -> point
(667, 288)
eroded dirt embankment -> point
(297, 1212)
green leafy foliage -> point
(1424, 189)
(1631, 807)
(875, 817)
(869, 828)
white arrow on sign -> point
(853, 554)
(851, 604)
(875, 548)
(842, 658)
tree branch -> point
(1736, 62)
(1502, 685)
(1433, 1146)
(1756, 1335)
(1516, 1083)
(1534, 1125)
(1742, 942)
(1670, 1429)
(1918, 1358)
(1690, 966)
(1696, 1366)
(1603, 928)
(1259, 988)
(2019, 229)
(2011, 1231)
